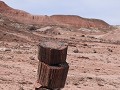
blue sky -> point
(107, 10)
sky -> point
(107, 10)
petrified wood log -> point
(52, 52)
(44, 88)
(52, 76)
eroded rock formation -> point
(67, 20)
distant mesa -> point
(3, 5)
(66, 20)
(77, 21)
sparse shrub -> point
(32, 28)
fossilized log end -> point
(52, 52)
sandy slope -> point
(94, 64)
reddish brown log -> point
(52, 52)
(44, 88)
(52, 76)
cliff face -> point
(22, 16)
(78, 22)
(4, 6)
(68, 20)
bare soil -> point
(93, 59)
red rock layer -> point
(78, 22)
(68, 20)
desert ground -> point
(93, 50)
(93, 59)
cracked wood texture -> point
(52, 53)
(52, 76)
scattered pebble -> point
(76, 51)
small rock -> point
(18, 52)
(5, 49)
(72, 38)
(32, 58)
(76, 51)
(110, 50)
(1, 57)
(97, 69)
(82, 35)
(76, 84)
(99, 84)
(89, 78)
(94, 51)
(21, 88)
(9, 57)
(83, 57)
(85, 44)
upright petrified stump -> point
(52, 52)
(52, 68)
(52, 77)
